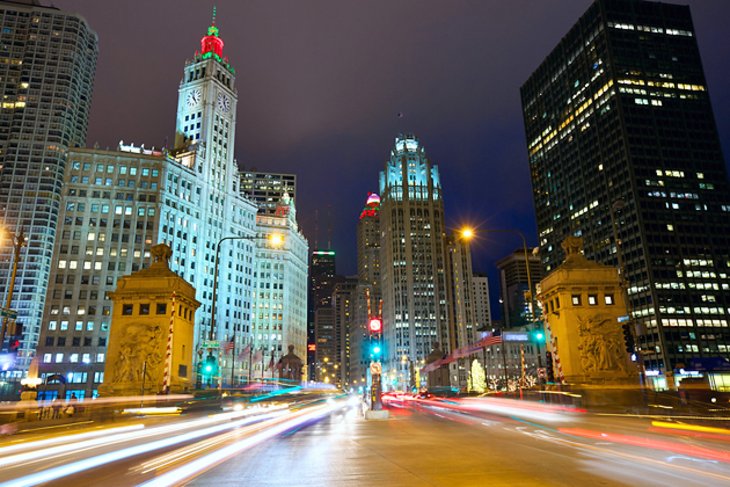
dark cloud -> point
(321, 85)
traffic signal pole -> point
(19, 242)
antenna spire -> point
(214, 11)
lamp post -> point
(18, 243)
(275, 239)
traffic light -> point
(210, 366)
(628, 338)
(375, 328)
(538, 336)
(15, 339)
(549, 372)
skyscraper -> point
(514, 283)
(118, 203)
(482, 312)
(412, 257)
(343, 303)
(461, 300)
(47, 78)
(322, 280)
(367, 294)
(267, 188)
(624, 151)
(280, 276)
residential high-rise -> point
(514, 283)
(47, 78)
(266, 188)
(412, 257)
(624, 152)
(483, 314)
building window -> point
(144, 309)
(47, 358)
(161, 308)
(592, 299)
(127, 309)
(609, 299)
(576, 299)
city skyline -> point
(329, 111)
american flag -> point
(228, 346)
(245, 352)
(258, 355)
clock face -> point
(224, 103)
(194, 98)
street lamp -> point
(276, 241)
(19, 242)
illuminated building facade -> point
(343, 303)
(280, 294)
(624, 152)
(483, 314)
(412, 259)
(322, 280)
(267, 188)
(46, 75)
(462, 302)
(367, 294)
(117, 204)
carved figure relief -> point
(600, 345)
(140, 352)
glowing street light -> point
(467, 233)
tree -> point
(478, 382)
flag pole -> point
(250, 361)
(233, 361)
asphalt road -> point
(429, 443)
(426, 446)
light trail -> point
(508, 407)
(70, 447)
(99, 460)
(200, 465)
(66, 438)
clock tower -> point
(206, 112)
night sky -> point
(325, 86)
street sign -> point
(10, 313)
(211, 344)
(376, 368)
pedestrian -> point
(71, 407)
(56, 406)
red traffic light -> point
(375, 325)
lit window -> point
(609, 299)
(74, 358)
(575, 299)
(47, 358)
(592, 299)
(59, 358)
